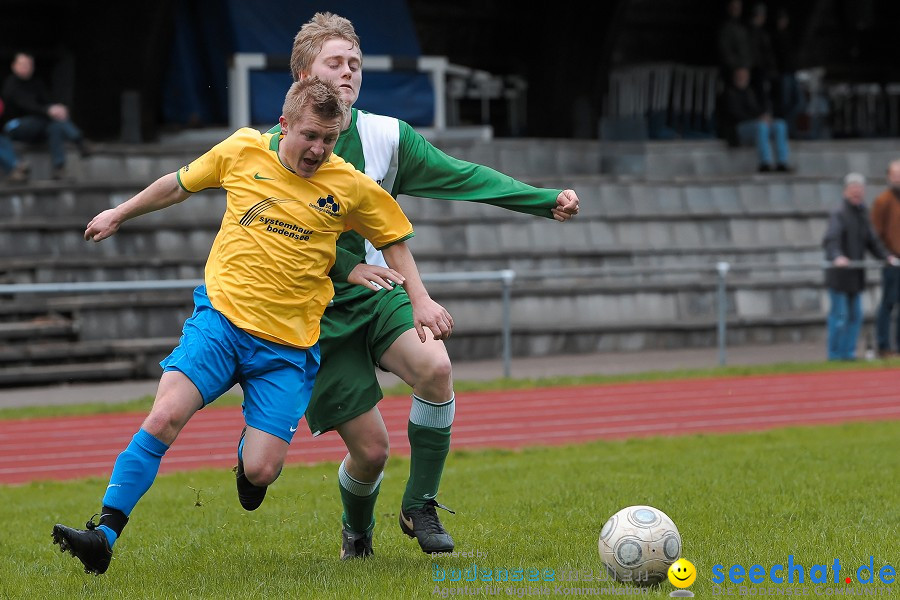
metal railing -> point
(505, 277)
(721, 270)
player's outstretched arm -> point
(428, 172)
(427, 314)
(163, 192)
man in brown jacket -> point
(886, 223)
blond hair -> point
(320, 96)
(312, 36)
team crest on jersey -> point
(327, 205)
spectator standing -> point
(886, 223)
(847, 238)
(763, 67)
(786, 91)
(34, 118)
(753, 124)
(733, 42)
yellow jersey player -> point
(256, 319)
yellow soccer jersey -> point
(267, 270)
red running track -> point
(70, 447)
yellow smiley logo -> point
(682, 573)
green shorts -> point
(354, 336)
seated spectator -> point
(752, 124)
(15, 169)
(33, 117)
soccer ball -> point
(638, 544)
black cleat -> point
(424, 525)
(88, 545)
(355, 545)
(251, 496)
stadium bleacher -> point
(635, 270)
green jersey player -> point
(365, 328)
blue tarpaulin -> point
(207, 32)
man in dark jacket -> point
(848, 237)
(764, 69)
(33, 117)
(733, 41)
(788, 101)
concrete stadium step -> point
(112, 319)
(636, 336)
(144, 163)
(58, 206)
(104, 359)
(692, 198)
(143, 248)
(585, 300)
(62, 351)
(86, 371)
(775, 260)
(524, 157)
(582, 306)
(669, 159)
(132, 163)
(76, 268)
(38, 327)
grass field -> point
(818, 494)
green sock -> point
(358, 499)
(428, 453)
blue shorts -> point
(215, 355)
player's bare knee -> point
(375, 458)
(371, 458)
(441, 369)
(163, 424)
(435, 373)
(262, 474)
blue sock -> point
(111, 535)
(132, 475)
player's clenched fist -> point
(566, 205)
(102, 226)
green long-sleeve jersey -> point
(392, 153)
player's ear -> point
(284, 124)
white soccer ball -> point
(638, 544)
